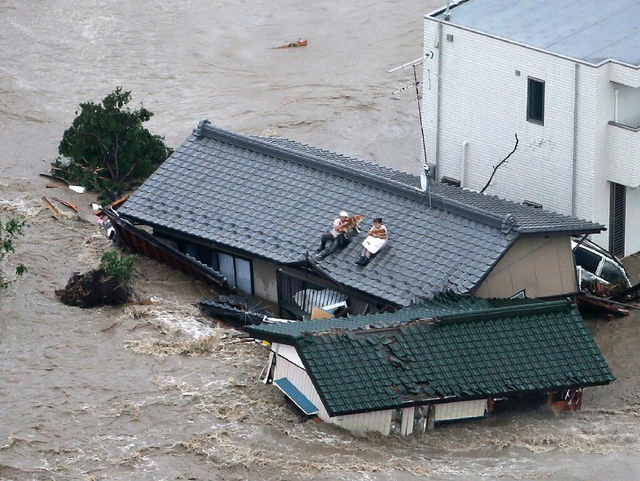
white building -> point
(562, 75)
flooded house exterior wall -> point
(540, 266)
(475, 102)
(402, 421)
(288, 365)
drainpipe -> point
(574, 173)
(616, 94)
(463, 163)
(439, 77)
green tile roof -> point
(494, 351)
(440, 304)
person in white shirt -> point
(333, 235)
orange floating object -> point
(299, 43)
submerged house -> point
(564, 75)
(450, 358)
(253, 209)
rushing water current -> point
(153, 392)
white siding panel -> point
(379, 421)
(290, 354)
(460, 410)
(301, 380)
(407, 420)
(475, 90)
(632, 226)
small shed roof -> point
(467, 351)
(588, 30)
(273, 198)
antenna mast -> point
(424, 177)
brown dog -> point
(353, 222)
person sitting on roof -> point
(334, 236)
(376, 239)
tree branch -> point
(500, 164)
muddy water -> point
(155, 392)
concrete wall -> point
(475, 92)
(539, 265)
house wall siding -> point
(475, 87)
(299, 378)
(541, 266)
(461, 410)
(628, 106)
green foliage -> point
(9, 231)
(112, 265)
(107, 148)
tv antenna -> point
(424, 176)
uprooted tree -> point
(106, 285)
(9, 231)
(107, 149)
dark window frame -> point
(234, 281)
(210, 257)
(617, 219)
(535, 100)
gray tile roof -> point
(273, 198)
(483, 351)
(528, 219)
(589, 30)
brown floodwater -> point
(157, 392)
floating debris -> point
(298, 43)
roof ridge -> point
(505, 222)
(441, 320)
(502, 312)
(349, 158)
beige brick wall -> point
(542, 266)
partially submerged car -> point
(599, 271)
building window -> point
(238, 271)
(535, 101)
